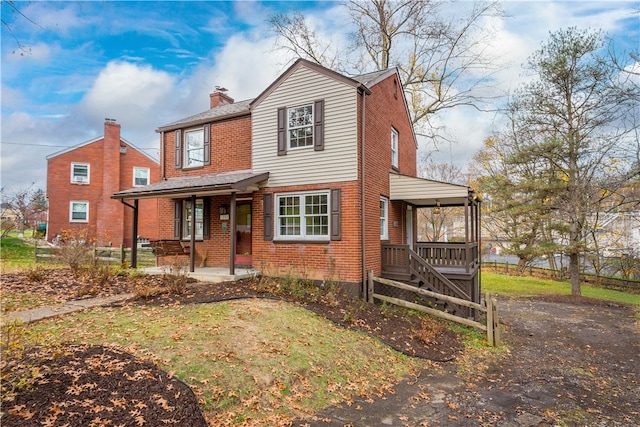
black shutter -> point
(206, 218)
(282, 131)
(207, 146)
(336, 223)
(267, 216)
(177, 220)
(178, 145)
(318, 125)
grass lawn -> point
(16, 253)
(502, 284)
(248, 360)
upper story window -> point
(384, 218)
(140, 176)
(302, 216)
(78, 211)
(192, 149)
(80, 173)
(300, 126)
(394, 148)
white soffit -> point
(425, 192)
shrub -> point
(74, 248)
(176, 276)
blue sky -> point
(149, 63)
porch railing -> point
(455, 255)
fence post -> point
(123, 254)
(370, 287)
(489, 304)
(496, 322)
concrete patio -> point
(209, 274)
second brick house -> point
(314, 178)
(81, 180)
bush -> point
(176, 276)
(74, 248)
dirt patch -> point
(571, 361)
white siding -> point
(337, 162)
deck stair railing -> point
(401, 263)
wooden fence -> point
(615, 283)
(488, 306)
(108, 254)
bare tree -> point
(11, 8)
(28, 206)
(443, 58)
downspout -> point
(162, 177)
(134, 241)
(192, 250)
(362, 200)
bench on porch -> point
(169, 247)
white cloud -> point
(128, 92)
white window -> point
(78, 211)
(80, 173)
(300, 126)
(194, 148)
(140, 176)
(384, 218)
(186, 216)
(394, 148)
(302, 216)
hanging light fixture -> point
(436, 209)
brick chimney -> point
(110, 221)
(219, 97)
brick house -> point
(81, 180)
(314, 178)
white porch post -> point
(192, 250)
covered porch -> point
(200, 224)
(450, 268)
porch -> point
(209, 274)
(450, 269)
(447, 268)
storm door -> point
(243, 235)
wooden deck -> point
(447, 268)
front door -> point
(243, 235)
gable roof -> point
(313, 66)
(221, 112)
(91, 141)
(371, 79)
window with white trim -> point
(140, 176)
(193, 148)
(300, 126)
(303, 216)
(394, 148)
(78, 211)
(80, 173)
(186, 216)
(384, 218)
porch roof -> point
(200, 185)
(426, 193)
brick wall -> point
(385, 108)
(230, 149)
(109, 221)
